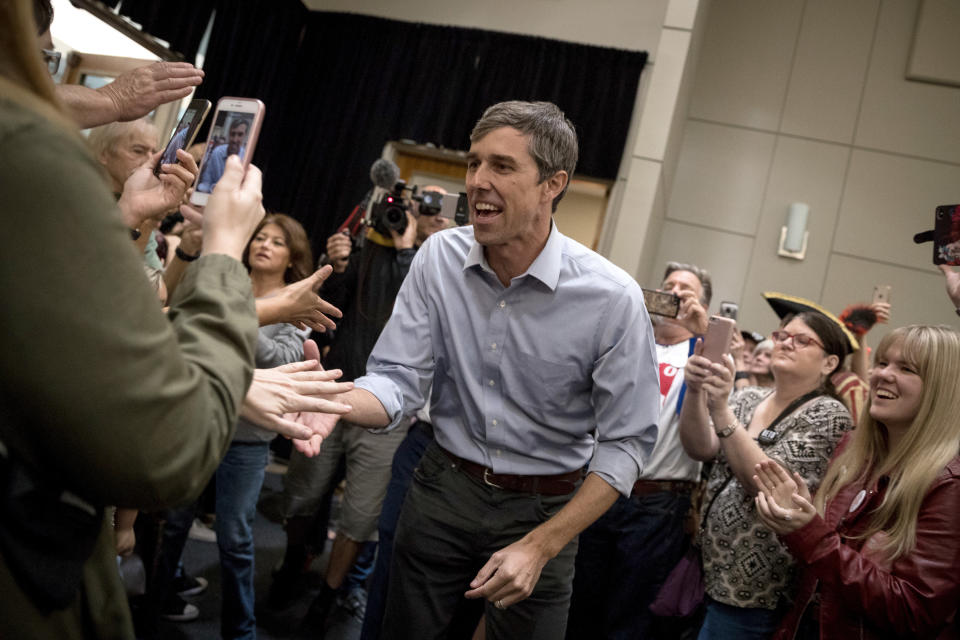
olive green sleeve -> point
(125, 405)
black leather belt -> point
(646, 487)
(557, 485)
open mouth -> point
(884, 394)
(484, 211)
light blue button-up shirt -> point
(538, 378)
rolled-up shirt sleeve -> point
(626, 393)
(400, 367)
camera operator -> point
(365, 283)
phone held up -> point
(945, 235)
(184, 133)
(661, 303)
(729, 310)
(716, 342)
(236, 126)
(881, 293)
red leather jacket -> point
(863, 596)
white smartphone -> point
(236, 126)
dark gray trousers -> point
(450, 525)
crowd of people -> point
(523, 451)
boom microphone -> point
(384, 173)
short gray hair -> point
(106, 137)
(702, 275)
(553, 139)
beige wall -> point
(806, 101)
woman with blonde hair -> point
(880, 540)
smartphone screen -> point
(236, 125)
(661, 303)
(184, 133)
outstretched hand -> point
(136, 93)
(280, 397)
(303, 307)
(320, 424)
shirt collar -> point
(545, 267)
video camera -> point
(389, 211)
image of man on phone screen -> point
(217, 156)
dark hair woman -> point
(797, 422)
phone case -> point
(717, 340)
(946, 235)
(661, 303)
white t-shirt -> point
(669, 461)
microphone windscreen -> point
(384, 173)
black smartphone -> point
(184, 133)
(661, 303)
(946, 235)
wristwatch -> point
(729, 429)
(186, 257)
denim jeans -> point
(624, 558)
(724, 621)
(239, 480)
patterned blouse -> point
(744, 564)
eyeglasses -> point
(52, 59)
(799, 340)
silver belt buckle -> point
(486, 480)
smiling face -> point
(896, 389)
(509, 206)
(269, 252)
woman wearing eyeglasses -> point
(748, 573)
(878, 545)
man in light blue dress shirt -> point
(541, 357)
(217, 157)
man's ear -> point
(555, 185)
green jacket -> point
(100, 390)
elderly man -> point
(541, 361)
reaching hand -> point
(138, 92)
(321, 424)
(510, 574)
(303, 307)
(953, 283)
(882, 309)
(148, 196)
(279, 395)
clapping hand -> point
(783, 502)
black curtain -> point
(179, 22)
(339, 86)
